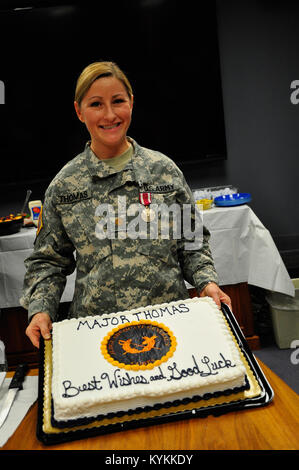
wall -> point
(259, 60)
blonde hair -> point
(97, 70)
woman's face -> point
(106, 110)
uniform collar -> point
(138, 167)
(95, 166)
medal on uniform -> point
(147, 214)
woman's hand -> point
(214, 291)
(40, 324)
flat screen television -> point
(167, 48)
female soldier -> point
(116, 270)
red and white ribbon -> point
(145, 199)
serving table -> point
(273, 427)
(242, 248)
(243, 251)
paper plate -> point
(232, 199)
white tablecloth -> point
(244, 250)
(242, 247)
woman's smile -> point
(110, 127)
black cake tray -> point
(263, 399)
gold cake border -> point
(253, 391)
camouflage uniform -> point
(113, 274)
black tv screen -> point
(167, 48)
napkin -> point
(23, 401)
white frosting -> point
(85, 384)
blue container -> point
(232, 199)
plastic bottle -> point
(35, 208)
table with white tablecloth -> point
(242, 248)
(14, 249)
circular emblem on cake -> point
(138, 345)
